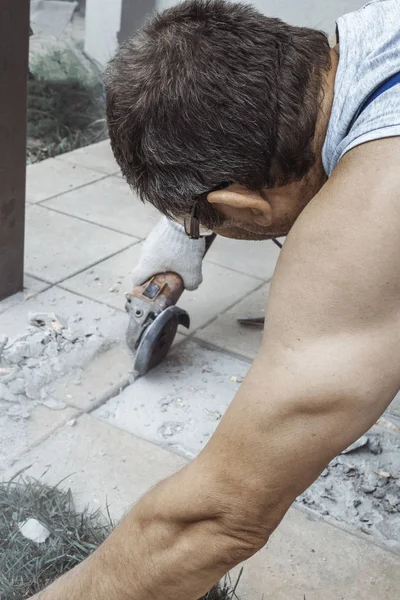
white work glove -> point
(168, 248)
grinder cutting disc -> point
(158, 338)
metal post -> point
(14, 58)
(133, 14)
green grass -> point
(63, 116)
(27, 567)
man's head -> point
(211, 92)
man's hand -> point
(327, 369)
(168, 248)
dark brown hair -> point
(209, 91)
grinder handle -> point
(163, 289)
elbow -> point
(241, 536)
(247, 519)
(235, 538)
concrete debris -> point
(17, 386)
(381, 493)
(3, 343)
(384, 474)
(361, 487)
(6, 371)
(33, 530)
(171, 428)
(367, 489)
(16, 353)
(48, 320)
(215, 415)
(369, 443)
(70, 336)
(6, 394)
(32, 362)
(29, 296)
(54, 404)
(374, 445)
(7, 374)
(361, 443)
(18, 411)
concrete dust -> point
(361, 488)
(50, 347)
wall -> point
(313, 13)
(103, 18)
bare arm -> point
(327, 369)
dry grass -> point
(27, 567)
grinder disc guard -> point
(158, 338)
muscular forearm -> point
(183, 536)
(174, 544)
(283, 427)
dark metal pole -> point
(14, 58)
(133, 14)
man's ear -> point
(242, 204)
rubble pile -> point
(31, 362)
(361, 487)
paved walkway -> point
(113, 438)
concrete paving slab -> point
(103, 465)
(257, 259)
(311, 560)
(225, 332)
(20, 432)
(52, 177)
(23, 417)
(106, 375)
(32, 286)
(179, 404)
(91, 316)
(221, 289)
(107, 281)
(58, 246)
(98, 157)
(304, 558)
(110, 203)
(44, 421)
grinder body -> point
(154, 317)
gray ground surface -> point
(361, 489)
(179, 405)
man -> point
(291, 136)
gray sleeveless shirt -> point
(369, 54)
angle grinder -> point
(154, 317)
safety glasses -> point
(193, 228)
